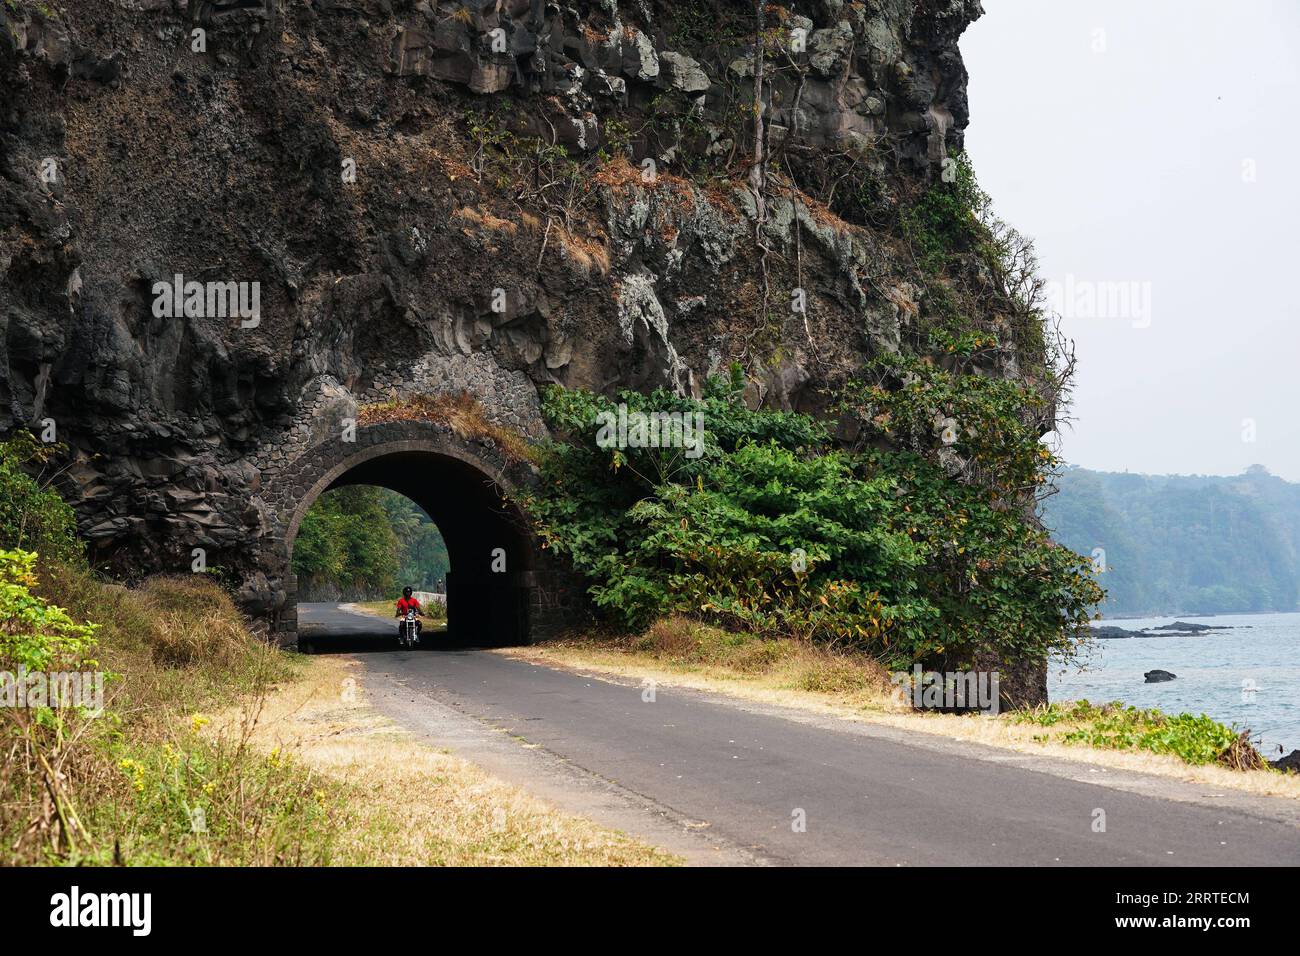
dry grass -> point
(460, 411)
(618, 173)
(1243, 755)
(588, 255)
(293, 770)
(409, 804)
(796, 675)
(711, 658)
(119, 788)
(486, 220)
(819, 211)
(193, 621)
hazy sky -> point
(1152, 150)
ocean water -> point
(1216, 674)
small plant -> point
(1195, 739)
(34, 633)
(32, 515)
(36, 636)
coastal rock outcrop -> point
(347, 203)
(428, 197)
(1176, 629)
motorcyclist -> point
(408, 602)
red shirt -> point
(407, 604)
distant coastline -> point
(1202, 544)
(1126, 616)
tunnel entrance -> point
(500, 589)
(488, 543)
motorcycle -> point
(407, 633)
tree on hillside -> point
(364, 543)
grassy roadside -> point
(215, 749)
(139, 784)
(795, 674)
(401, 802)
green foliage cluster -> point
(990, 426)
(361, 543)
(423, 561)
(34, 633)
(705, 24)
(1196, 739)
(32, 515)
(948, 218)
(1183, 543)
(774, 530)
(974, 264)
(527, 168)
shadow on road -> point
(325, 628)
(368, 640)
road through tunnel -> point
(502, 589)
(487, 539)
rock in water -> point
(1186, 629)
(1288, 764)
(1158, 676)
(1110, 632)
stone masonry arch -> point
(470, 488)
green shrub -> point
(947, 219)
(1195, 739)
(32, 515)
(34, 633)
(989, 427)
(777, 532)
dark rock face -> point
(1158, 676)
(1288, 764)
(386, 173)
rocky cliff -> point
(441, 196)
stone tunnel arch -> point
(470, 489)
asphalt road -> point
(753, 775)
